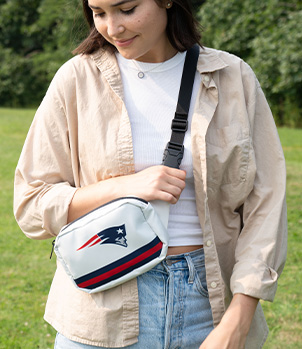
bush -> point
(38, 36)
(266, 35)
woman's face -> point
(137, 28)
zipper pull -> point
(52, 249)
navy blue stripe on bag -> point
(122, 266)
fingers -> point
(173, 188)
(154, 183)
(174, 172)
(171, 196)
(167, 183)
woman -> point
(100, 133)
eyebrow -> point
(113, 5)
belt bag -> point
(111, 244)
(126, 237)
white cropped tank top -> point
(151, 103)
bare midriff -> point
(173, 250)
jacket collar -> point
(210, 61)
(106, 62)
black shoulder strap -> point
(173, 153)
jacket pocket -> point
(227, 152)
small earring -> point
(169, 4)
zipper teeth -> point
(107, 203)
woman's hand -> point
(224, 337)
(233, 329)
(154, 183)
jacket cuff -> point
(259, 282)
(55, 206)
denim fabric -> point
(174, 307)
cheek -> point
(100, 27)
(159, 21)
(137, 23)
(150, 22)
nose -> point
(114, 27)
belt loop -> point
(191, 269)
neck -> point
(159, 56)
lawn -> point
(26, 271)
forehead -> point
(96, 4)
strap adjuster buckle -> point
(173, 154)
(179, 125)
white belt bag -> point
(126, 237)
(102, 248)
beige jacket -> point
(81, 134)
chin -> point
(128, 55)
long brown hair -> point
(183, 29)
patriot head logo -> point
(112, 235)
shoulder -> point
(80, 72)
(212, 54)
(221, 61)
(67, 80)
(87, 67)
(75, 67)
(229, 71)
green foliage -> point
(267, 35)
(277, 59)
(14, 77)
(36, 38)
(196, 4)
(15, 18)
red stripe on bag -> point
(121, 267)
(89, 241)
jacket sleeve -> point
(44, 178)
(261, 247)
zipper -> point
(107, 203)
(52, 249)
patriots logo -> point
(112, 235)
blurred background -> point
(37, 37)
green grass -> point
(25, 268)
(284, 315)
(26, 271)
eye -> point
(100, 15)
(129, 12)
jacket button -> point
(206, 78)
(209, 243)
(213, 284)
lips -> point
(124, 42)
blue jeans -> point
(174, 309)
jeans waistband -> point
(186, 262)
(193, 254)
(181, 261)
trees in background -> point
(268, 35)
(37, 36)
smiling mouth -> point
(124, 43)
